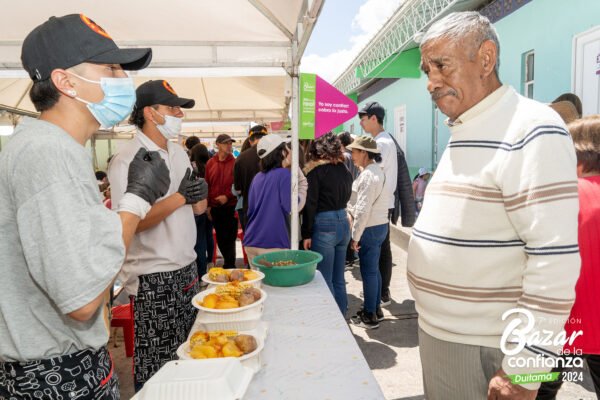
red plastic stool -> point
(240, 235)
(122, 317)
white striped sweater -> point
(498, 228)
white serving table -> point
(310, 353)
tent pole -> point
(295, 153)
(94, 155)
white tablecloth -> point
(310, 352)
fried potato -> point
(250, 275)
(199, 337)
(210, 301)
(222, 305)
(230, 349)
(206, 350)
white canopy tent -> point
(237, 58)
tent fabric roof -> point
(232, 56)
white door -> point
(586, 69)
(400, 126)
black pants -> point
(549, 390)
(226, 226)
(350, 253)
(385, 263)
(201, 246)
(242, 218)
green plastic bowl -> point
(303, 270)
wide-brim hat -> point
(566, 110)
(365, 143)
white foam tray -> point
(217, 378)
(257, 283)
(251, 360)
(210, 315)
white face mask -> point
(171, 128)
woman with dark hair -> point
(325, 226)
(246, 145)
(368, 213)
(269, 199)
(204, 247)
(199, 156)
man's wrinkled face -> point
(455, 75)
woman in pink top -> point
(585, 314)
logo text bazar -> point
(519, 332)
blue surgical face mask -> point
(118, 101)
(172, 126)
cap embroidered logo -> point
(94, 26)
(169, 88)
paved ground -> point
(392, 350)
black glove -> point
(148, 176)
(191, 189)
(203, 187)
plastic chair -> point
(122, 317)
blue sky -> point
(334, 27)
(343, 29)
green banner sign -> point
(308, 93)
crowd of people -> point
(505, 221)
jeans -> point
(210, 240)
(331, 234)
(385, 263)
(201, 247)
(370, 249)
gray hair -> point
(459, 25)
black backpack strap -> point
(404, 200)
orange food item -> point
(216, 344)
(223, 305)
(210, 301)
(250, 275)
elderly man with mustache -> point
(499, 229)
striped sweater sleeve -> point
(539, 187)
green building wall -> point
(545, 26)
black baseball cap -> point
(63, 42)
(160, 92)
(223, 137)
(372, 108)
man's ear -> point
(62, 82)
(150, 115)
(488, 54)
